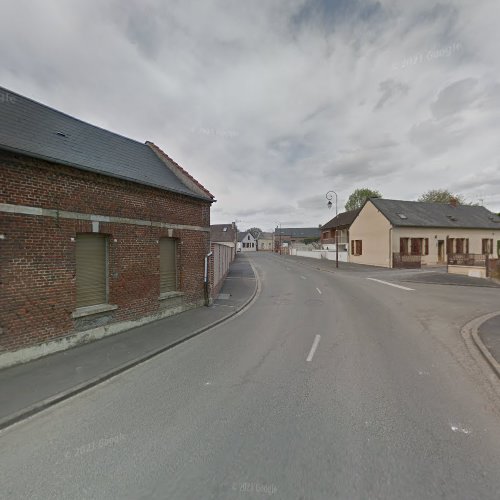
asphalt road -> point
(328, 386)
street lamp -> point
(236, 242)
(329, 205)
(279, 223)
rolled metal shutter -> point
(90, 270)
(168, 272)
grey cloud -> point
(435, 138)
(314, 202)
(377, 159)
(261, 104)
(455, 98)
(271, 210)
(390, 89)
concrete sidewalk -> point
(28, 388)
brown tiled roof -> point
(345, 219)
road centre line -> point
(391, 284)
(319, 291)
(314, 347)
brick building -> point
(98, 232)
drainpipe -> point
(205, 279)
(390, 248)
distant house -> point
(340, 224)
(98, 232)
(286, 237)
(265, 242)
(246, 242)
(384, 230)
(225, 234)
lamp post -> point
(279, 224)
(236, 242)
(329, 205)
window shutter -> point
(466, 245)
(352, 247)
(359, 247)
(168, 271)
(449, 245)
(90, 270)
(491, 246)
(426, 246)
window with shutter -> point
(352, 247)
(449, 245)
(426, 246)
(487, 246)
(168, 268)
(91, 269)
(403, 246)
(359, 247)
(416, 246)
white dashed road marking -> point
(390, 284)
(319, 291)
(314, 347)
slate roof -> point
(345, 219)
(418, 214)
(217, 233)
(266, 236)
(242, 234)
(36, 130)
(299, 232)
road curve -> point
(389, 404)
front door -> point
(441, 250)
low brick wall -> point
(494, 268)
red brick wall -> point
(37, 256)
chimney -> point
(453, 201)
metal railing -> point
(467, 259)
(406, 261)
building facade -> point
(247, 243)
(265, 242)
(285, 238)
(385, 229)
(98, 233)
(225, 234)
(337, 231)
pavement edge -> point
(53, 400)
(471, 330)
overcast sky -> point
(269, 103)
